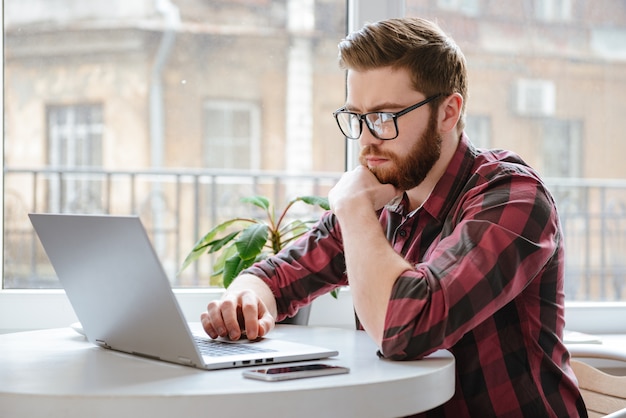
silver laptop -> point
(123, 299)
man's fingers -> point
(266, 324)
(252, 308)
(231, 314)
(205, 320)
(219, 318)
(237, 315)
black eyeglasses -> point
(383, 125)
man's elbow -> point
(405, 349)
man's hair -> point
(433, 59)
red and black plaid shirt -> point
(487, 285)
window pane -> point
(171, 110)
(554, 94)
(231, 135)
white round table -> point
(57, 373)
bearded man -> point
(443, 245)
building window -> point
(553, 10)
(468, 7)
(562, 148)
(232, 135)
(74, 143)
(203, 103)
(533, 97)
(105, 52)
(478, 128)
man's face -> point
(405, 161)
(406, 170)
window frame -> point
(254, 136)
(553, 11)
(38, 309)
(74, 133)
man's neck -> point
(418, 195)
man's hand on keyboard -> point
(240, 313)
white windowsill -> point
(38, 309)
(23, 310)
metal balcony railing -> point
(176, 206)
(179, 206)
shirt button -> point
(402, 233)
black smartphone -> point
(273, 374)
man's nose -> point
(367, 137)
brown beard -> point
(410, 170)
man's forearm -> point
(373, 267)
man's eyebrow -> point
(382, 107)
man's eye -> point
(385, 117)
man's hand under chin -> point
(360, 186)
(372, 265)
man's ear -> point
(450, 112)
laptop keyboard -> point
(213, 348)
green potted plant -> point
(240, 242)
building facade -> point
(121, 105)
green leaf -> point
(260, 201)
(217, 245)
(218, 265)
(210, 236)
(322, 202)
(233, 266)
(192, 256)
(296, 227)
(252, 240)
(240, 249)
(204, 244)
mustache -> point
(374, 151)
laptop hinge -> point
(185, 360)
(102, 344)
(146, 355)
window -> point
(74, 142)
(232, 135)
(469, 7)
(478, 128)
(169, 109)
(555, 103)
(154, 73)
(534, 97)
(562, 148)
(553, 10)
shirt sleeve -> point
(499, 238)
(310, 267)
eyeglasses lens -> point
(350, 124)
(382, 125)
